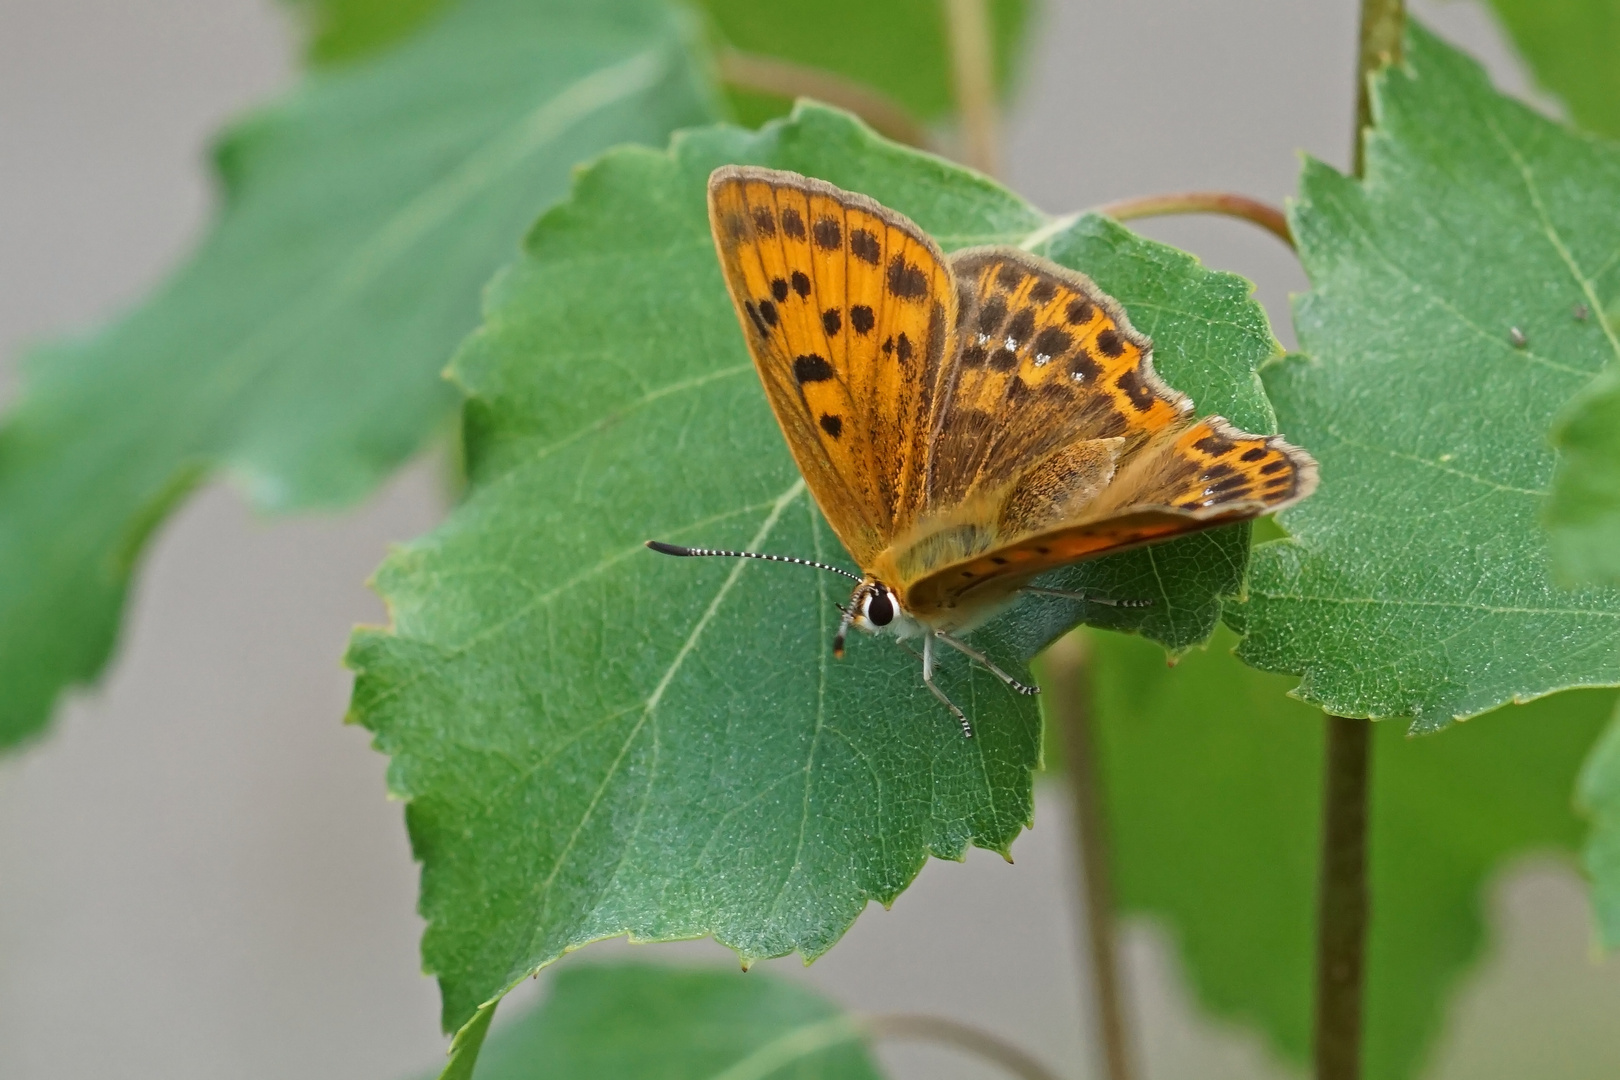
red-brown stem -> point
(1254, 211)
(1344, 905)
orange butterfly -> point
(965, 422)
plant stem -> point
(768, 75)
(962, 1036)
(1266, 216)
(1069, 707)
(967, 24)
(1383, 25)
(1343, 908)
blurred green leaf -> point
(595, 740)
(343, 30)
(629, 1021)
(1573, 47)
(1599, 798)
(1584, 514)
(898, 47)
(300, 350)
(1443, 338)
(1213, 781)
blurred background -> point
(200, 875)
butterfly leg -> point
(1084, 598)
(928, 681)
(974, 654)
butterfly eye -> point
(880, 607)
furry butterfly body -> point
(968, 422)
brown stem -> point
(1383, 25)
(1343, 908)
(968, 26)
(768, 75)
(1069, 707)
(962, 1036)
(1266, 216)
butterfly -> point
(966, 422)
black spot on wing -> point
(832, 425)
(1052, 342)
(1082, 366)
(831, 321)
(902, 348)
(792, 223)
(753, 315)
(779, 289)
(767, 311)
(1109, 341)
(862, 319)
(992, 315)
(906, 280)
(1215, 445)
(1140, 393)
(1009, 276)
(1274, 466)
(764, 221)
(1003, 359)
(1021, 326)
(1042, 291)
(1080, 311)
(811, 368)
(1255, 453)
(828, 234)
(801, 283)
(865, 246)
(976, 355)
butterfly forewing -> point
(847, 309)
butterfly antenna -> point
(676, 549)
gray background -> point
(199, 873)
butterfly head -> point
(875, 609)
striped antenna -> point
(675, 549)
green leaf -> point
(596, 740)
(1417, 581)
(1571, 46)
(301, 349)
(1213, 781)
(1599, 797)
(898, 47)
(343, 30)
(1584, 514)
(629, 1021)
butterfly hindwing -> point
(847, 309)
(1046, 360)
(1184, 479)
